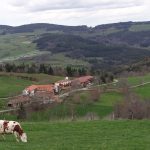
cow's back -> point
(7, 126)
(10, 126)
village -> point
(45, 94)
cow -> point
(12, 127)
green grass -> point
(12, 85)
(103, 107)
(139, 79)
(96, 135)
(143, 91)
(39, 78)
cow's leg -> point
(2, 134)
(16, 135)
(3, 137)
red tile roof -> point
(31, 88)
(49, 87)
(85, 79)
(45, 88)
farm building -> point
(48, 93)
(42, 93)
(41, 97)
(84, 81)
(62, 85)
(31, 90)
(17, 101)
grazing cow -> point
(12, 127)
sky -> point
(73, 12)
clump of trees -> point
(132, 108)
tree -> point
(69, 71)
(22, 112)
(50, 71)
(132, 107)
(8, 67)
(42, 69)
(32, 68)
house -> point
(62, 85)
(31, 90)
(40, 96)
(48, 93)
(17, 101)
(84, 80)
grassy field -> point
(139, 79)
(96, 135)
(12, 85)
(142, 91)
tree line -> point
(43, 68)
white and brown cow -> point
(12, 127)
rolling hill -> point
(103, 46)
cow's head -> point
(23, 137)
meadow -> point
(95, 135)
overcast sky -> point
(73, 12)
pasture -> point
(95, 135)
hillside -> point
(104, 46)
(105, 135)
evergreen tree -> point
(69, 71)
(42, 69)
(50, 71)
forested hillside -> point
(104, 46)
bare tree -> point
(132, 108)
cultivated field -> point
(96, 135)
